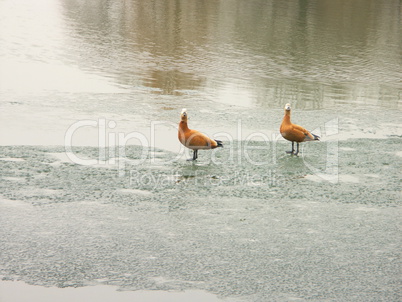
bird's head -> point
(183, 115)
(287, 107)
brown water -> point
(258, 53)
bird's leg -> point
(195, 155)
(297, 152)
(293, 148)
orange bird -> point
(295, 133)
(194, 139)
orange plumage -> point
(293, 132)
(194, 139)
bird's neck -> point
(183, 125)
(286, 118)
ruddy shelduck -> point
(295, 133)
(194, 139)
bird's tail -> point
(316, 137)
(219, 143)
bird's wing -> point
(198, 139)
(306, 133)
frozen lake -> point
(96, 196)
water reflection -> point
(172, 81)
(317, 53)
(251, 53)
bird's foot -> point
(292, 153)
